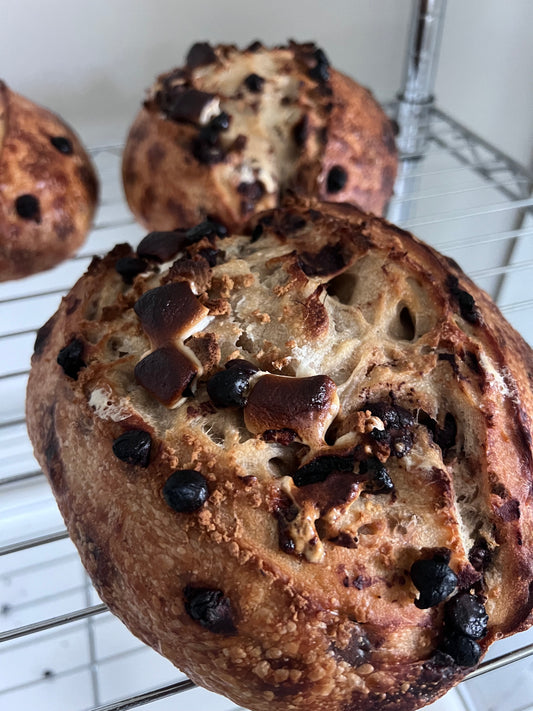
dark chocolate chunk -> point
(319, 469)
(206, 147)
(300, 131)
(200, 54)
(133, 447)
(392, 416)
(162, 246)
(320, 72)
(165, 373)
(62, 144)
(450, 357)
(480, 555)
(435, 581)
(257, 232)
(254, 47)
(210, 608)
(211, 255)
(228, 388)
(186, 105)
(186, 490)
(397, 433)
(207, 228)
(462, 649)
(337, 179)
(251, 191)
(445, 436)
(465, 301)
(70, 358)
(378, 480)
(129, 267)
(254, 83)
(327, 262)
(465, 614)
(28, 207)
(290, 222)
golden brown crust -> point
(48, 192)
(285, 589)
(287, 132)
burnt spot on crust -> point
(328, 261)
(200, 54)
(62, 144)
(28, 208)
(71, 359)
(98, 560)
(284, 437)
(210, 608)
(43, 334)
(464, 300)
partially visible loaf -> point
(228, 133)
(48, 188)
(297, 463)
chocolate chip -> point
(257, 232)
(465, 301)
(206, 147)
(254, 47)
(186, 491)
(228, 388)
(378, 480)
(435, 581)
(207, 228)
(133, 447)
(210, 255)
(300, 131)
(129, 267)
(28, 207)
(207, 153)
(321, 468)
(463, 650)
(445, 436)
(480, 555)
(336, 180)
(392, 416)
(210, 608)
(62, 144)
(186, 105)
(162, 246)
(70, 358)
(200, 54)
(327, 262)
(320, 72)
(254, 83)
(466, 614)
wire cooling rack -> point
(60, 649)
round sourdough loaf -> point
(48, 188)
(229, 132)
(296, 463)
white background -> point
(91, 61)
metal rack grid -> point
(60, 648)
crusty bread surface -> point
(48, 188)
(228, 133)
(292, 459)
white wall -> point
(91, 61)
